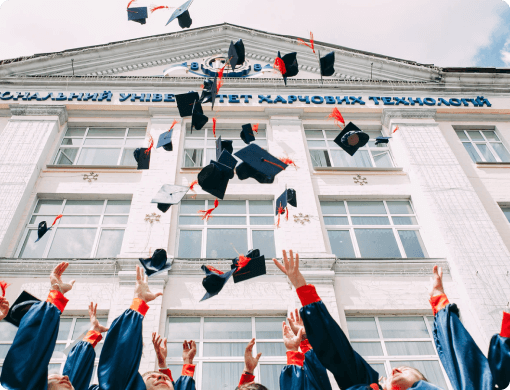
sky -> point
(447, 33)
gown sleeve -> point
(246, 378)
(315, 373)
(80, 361)
(120, 357)
(186, 381)
(464, 363)
(293, 374)
(26, 364)
(330, 344)
(499, 354)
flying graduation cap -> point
(214, 178)
(382, 140)
(142, 157)
(223, 145)
(42, 229)
(20, 307)
(258, 164)
(327, 64)
(157, 263)
(249, 266)
(189, 105)
(198, 119)
(182, 15)
(247, 134)
(210, 91)
(165, 139)
(169, 195)
(137, 14)
(351, 139)
(236, 54)
(287, 65)
(288, 197)
(214, 281)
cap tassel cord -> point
(396, 128)
(288, 161)
(279, 65)
(275, 164)
(151, 144)
(220, 79)
(3, 286)
(337, 116)
(207, 213)
(212, 269)
(155, 8)
(131, 2)
(311, 45)
(173, 124)
(56, 219)
(192, 188)
(214, 126)
(255, 128)
(280, 212)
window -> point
(100, 146)
(234, 227)
(390, 342)
(373, 229)
(200, 147)
(220, 348)
(69, 330)
(325, 153)
(506, 211)
(88, 228)
(483, 146)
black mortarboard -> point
(143, 159)
(165, 140)
(223, 145)
(198, 119)
(42, 229)
(244, 171)
(20, 307)
(214, 281)
(288, 196)
(255, 267)
(182, 14)
(236, 54)
(168, 195)
(214, 178)
(291, 65)
(261, 161)
(158, 262)
(382, 140)
(210, 91)
(137, 14)
(227, 159)
(247, 134)
(185, 103)
(327, 64)
(351, 138)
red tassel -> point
(396, 128)
(287, 214)
(212, 269)
(207, 213)
(255, 128)
(3, 286)
(288, 161)
(151, 144)
(214, 127)
(173, 124)
(279, 65)
(242, 262)
(192, 186)
(56, 219)
(131, 2)
(275, 164)
(220, 78)
(338, 118)
(159, 7)
(311, 45)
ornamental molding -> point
(389, 267)
(40, 110)
(401, 115)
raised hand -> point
(94, 323)
(189, 350)
(160, 346)
(4, 308)
(250, 362)
(56, 279)
(291, 340)
(296, 323)
(142, 286)
(436, 282)
(291, 269)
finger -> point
(283, 328)
(154, 338)
(300, 333)
(280, 266)
(258, 357)
(194, 345)
(164, 342)
(285, 261)
(138, 274)
(292, 264)
(72, 282)
(296, 264)
(434, 270)
(184, 345)
(95, 309)
(64, 267)
(158, 294)
(298, 317)
(146, 279)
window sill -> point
(92, 167)
(356, 169)
(191, 169)
(389, 266)
(493, 164)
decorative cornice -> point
(389, 267)
(40, 110)
(402, 115)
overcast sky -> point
(440, 32)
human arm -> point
(4, 308)
(161, 348)
(293, 375)
(250, 363)
(186, 381)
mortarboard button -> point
(198, 119)
(137, 14)
(227, 159)
(143, 159)
(247, 134)
(223, 145)
(185, 102)
(382, 140)
(165, 140)
(261, 161)
(351, 138)
(158, 262)
(249, 266)
(290, 65)
(214, 281)
(327, 64)
(182, 14)
(214, 178)
(169, 195)
(20, 307)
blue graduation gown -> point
(26, 364)
(292, 378)
(185, 383)
(79, 365)
(499, 360)
(315, 373)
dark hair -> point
(252, 386)
(153, 372)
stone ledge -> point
(357, 169)
(401, 115)
(389, 267)
(40, 110)
(93, 167)
(493, 164)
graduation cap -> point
(258, 164)
(288, 197)
(198, 119)
(42, 229)
(287, 65)
(20, 307)
(214, 178)
(227, 159)
(327, 64)
(168, 195)
(382, 140)
(165, 140)
(236, 54)
(182, 14)
(185, 103)
(137, 14)
(142, 157)
(247, 134)
(351, 138)
(210, 91)
(214, 281)
(223, 145)
(249, 266)
(158, 262)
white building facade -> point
(368, 228)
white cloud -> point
(505, 52)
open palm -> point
(56, 279)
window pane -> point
(403, 327)
(192, 206)
(405, 221)
(506, 211)
(54, 369)
(193, 157)
(90, 207)
(118, 207)
(32, 249)
(314, 134)
(475, 135)
(491, 135)
(410, 348)
(137, 132)
(370, 221)
(128, 159)
(261, 220)
(368, 349)
(110, 243)
(362, 328)
(264, 240)
(316, 144)
(48, 207)
(190, 244)
(226, 133)
(472, 152)
(342, 159)
(377, 243)
(175, 349)
(270, 375)
(104, 141)
(221, 376)
(486, 153)
(272, 349)
(75, 132)
(462, 135)
(341, 243)
(227, 328)
(269, 328)
(136, 142)
(79, 220)
(7, 331)
(331, 134)
(36, 219)
(72, 243)
(115, 220)
(379, 368)
(66, 156)
(221, 243)
(400, 207)
(215, 220)
(382, 160)
(412, 242)
(64, 329)
(333, 208)
(183, 328)
(261, 206)
(82, 325)
(106, 132)
(336, 221)
(191, 221)
(223, 349)
(501, 152)
(72, 141)
(320, 158)
(230, 207)
(4, 348)
(430, 369)
(91, 156)
(362, 207)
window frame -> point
(486, 141)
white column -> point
(24, 146)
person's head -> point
(59, 382)
(403, 378)
(155, 380)
(252, 386)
